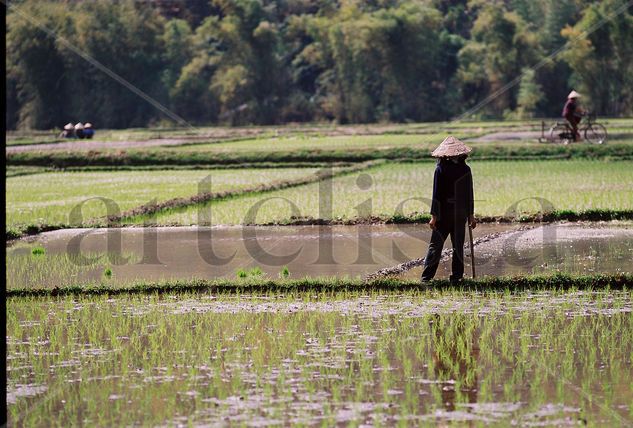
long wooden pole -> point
(472, 249)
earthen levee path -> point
(507, 136)
(215, 135)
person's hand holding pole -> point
(472, 222)
(432, 222)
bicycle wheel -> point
(596, 134)
(560, 133)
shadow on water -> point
(153, 254)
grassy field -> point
(48, 198)
(423, 140)
(280, 144)
(170, 158)
(15, 138)
(52, 136)
(422, 357)
(569, 185)
(46, 136)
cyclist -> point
(572, 112)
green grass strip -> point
(503, 284)
(417, 218)
(563, 215)
(64, 159)
(17, 171)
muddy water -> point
(79, 256)
(191, 252)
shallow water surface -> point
(153, 254)
(529, 359)
(82, 255)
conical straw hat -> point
(88, 125)
(450, 147)
(573, 94)
(68, 126)
(79, 126)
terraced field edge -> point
(492, 284)
(63, 159)
(417, 218)
(563, 215)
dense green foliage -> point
(263, 61)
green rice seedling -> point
(572, 186)
(255, 272)
(59, 270)
(49, 198)
(284, 273)
(38, 251)
(107, 272)
(241, 273)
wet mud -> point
(579, 248)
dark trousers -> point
(574, 121)
(457, 231)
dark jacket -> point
(452, 191)
(569, 111)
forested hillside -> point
(264, 62)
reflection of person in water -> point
(449, 336)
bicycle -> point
(562, 132)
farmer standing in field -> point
(572, 112)
(451, 208)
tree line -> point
(350, 61)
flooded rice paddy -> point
(418, 358)
(123, 256)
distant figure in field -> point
(572, 112)
(68, 132)
(451, 208)
(79, 130)
(89, 132)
